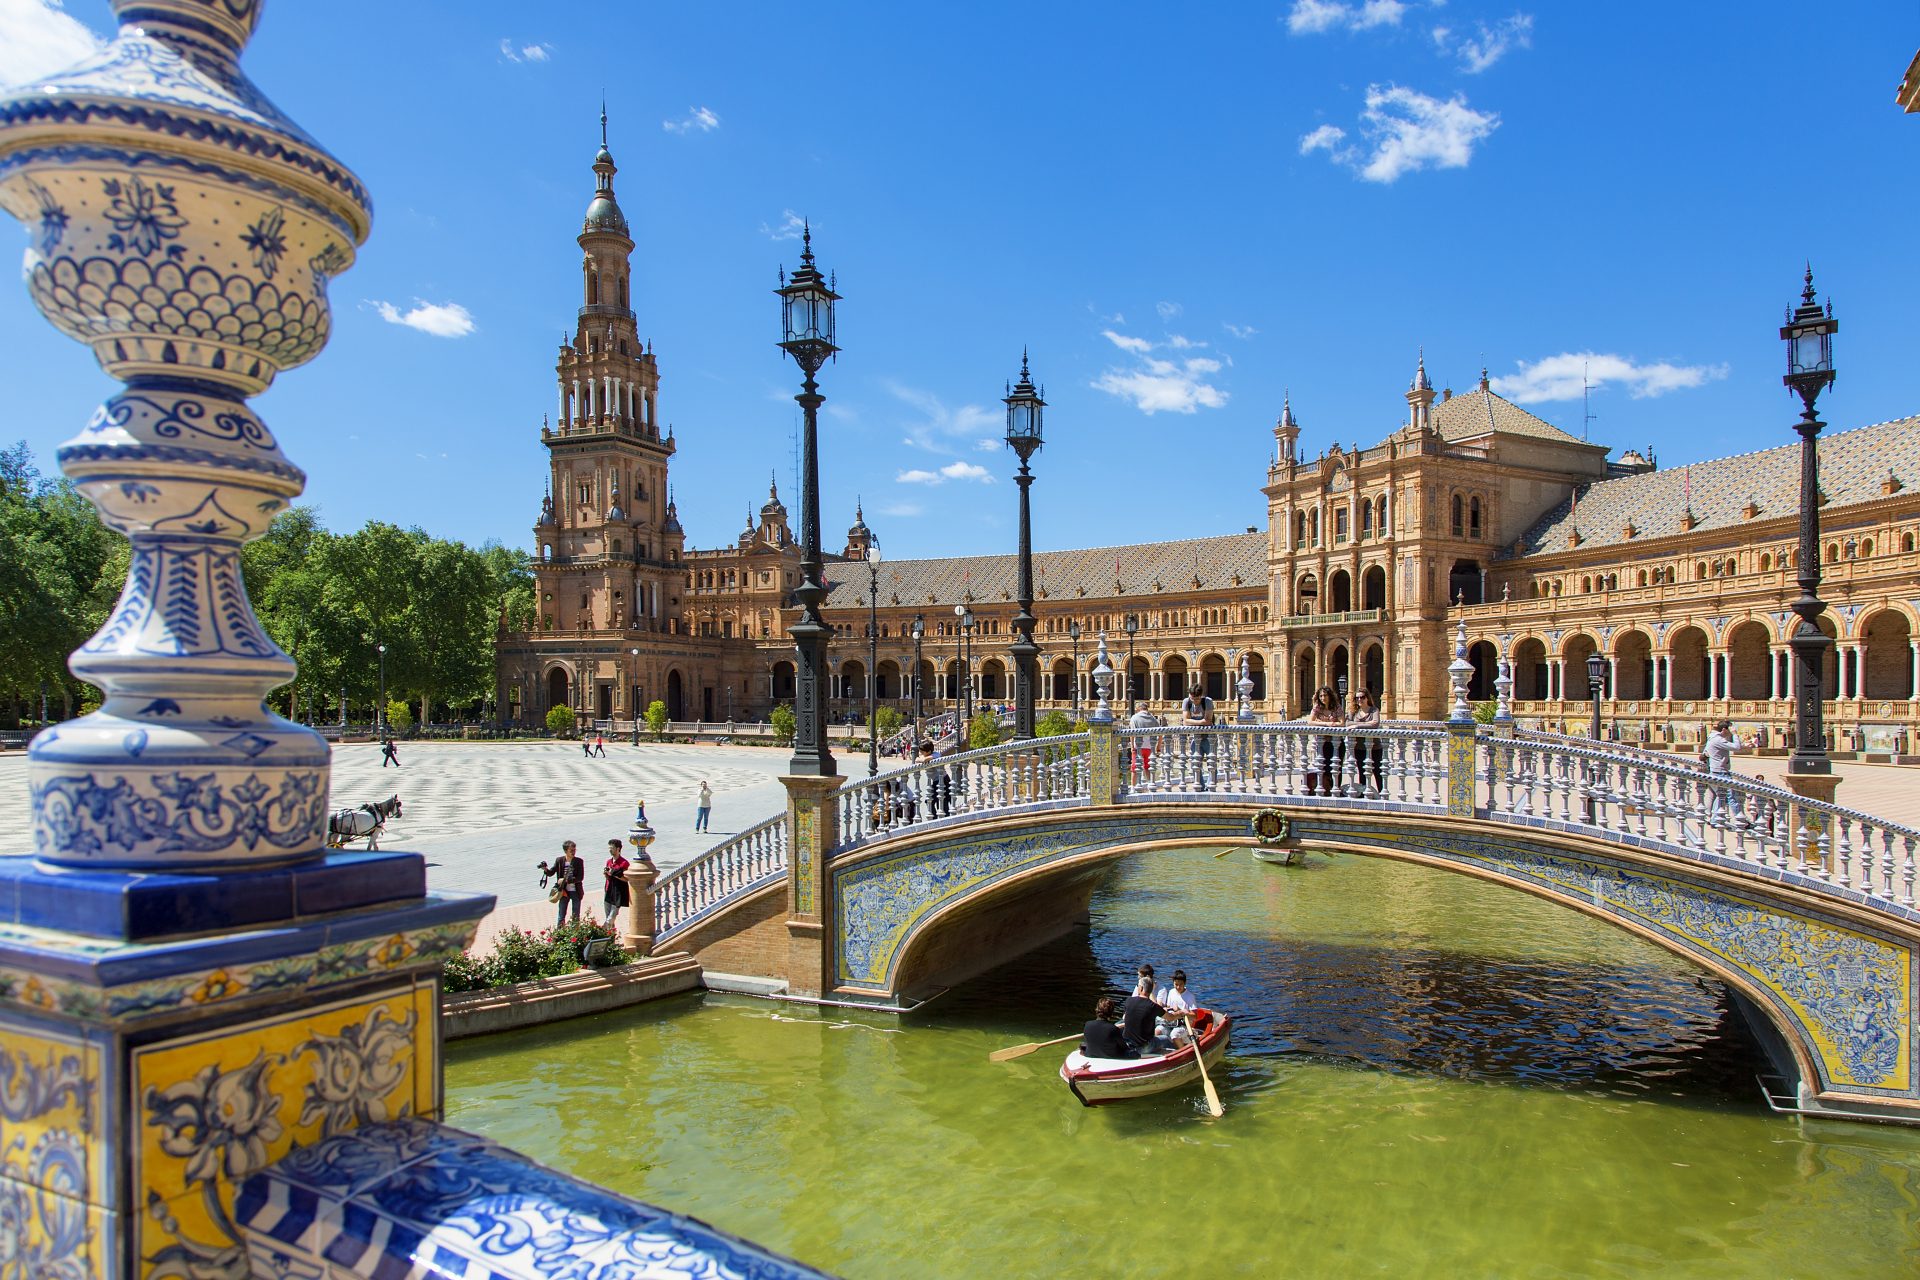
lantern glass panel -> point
(1810, 352)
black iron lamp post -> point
(380, 716)
(806, 305)
(1596, 688)
(1133, 627)
(873, 656)
(1808, 334)
(1024, 411)
(635, 708)
(919, 693)
(965, 615)
(1073, 630)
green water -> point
(1429, 1076)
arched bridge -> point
(889, 888)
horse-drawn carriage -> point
(364, 823)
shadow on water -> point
(1389, 967)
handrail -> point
(1755, 826)
(1024, 771)
(729, 871)
(1399, 764)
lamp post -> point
(1025, 407)
(1808, 334)
(965, 615)
(919, 699)
(806, 305)
(1596, 685)
(1133, 626)
(1073, 630)
(380, 717)
(635, 655)
(873, 656)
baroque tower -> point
(607, 533)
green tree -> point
(60, 571)
(285, 584)
(783, 723)
(889, 719)
(511, 573)
(1483, 712)
(448, 625)
(560, 720)
(1052, 725)
(399, 716)
(983, 731)
(657, 718)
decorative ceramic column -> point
(1461, 731)
(1101, 759)
(190, 984)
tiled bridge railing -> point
(1624, 796)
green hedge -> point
(519, 956)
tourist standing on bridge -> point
(1717, 754)
(1369, 750)
(615, 895)
(1326, 710)
(705, 808)
(1196, 713)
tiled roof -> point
(992, 579)
(1477, 412)
(1853, 468)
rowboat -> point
(1279, 857)
(1096, 1081)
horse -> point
(364, 823)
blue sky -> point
(1185, 212)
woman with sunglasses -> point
(1369, 750)
(1326, 710)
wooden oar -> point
(1224, 852)
(1213, 1097)
(1022, 1050)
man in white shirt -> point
(1717, 754)
(1177, 1001)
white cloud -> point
(1241, 331)
(441, 319)
(1560, 377)
(955, 470)
(37, 38)
(513, 51)
(789, 227)
(1157, 385)
(697, 120)
(989, 444)
(941, 428)
(1327, 137)
(902, 509)
(1313, 17)
(1493, 43)
(1180, 342)
(1167, 310)
(1405, 131)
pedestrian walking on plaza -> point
(701, 814)
(615, 896)
(586, 748)
(389, 754)
(570, 872)
(600, 745)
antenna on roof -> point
(1586, 402)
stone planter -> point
(572, 995)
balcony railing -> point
(1350, 617)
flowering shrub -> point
(519, 956)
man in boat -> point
(1100, 1038)
(1182, 1005)
(1138, 1017)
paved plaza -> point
(484, 813)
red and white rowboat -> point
(1096, 1081)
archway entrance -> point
(676, 697)
(557, 688)
(783, 682)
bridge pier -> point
(813, 812)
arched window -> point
(1473, 519)
(623, 291)
(1643, 577)
(1866, 547)
(1459, 521)
(1766, 561)
(593, 287)
(1380, 514)
(1906, 542)
(1833, 553)
(1586, 586)
(1700, 571)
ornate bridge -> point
(886, 889)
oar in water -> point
(1224, 852)
(1022, 1050)
(1213, 1097)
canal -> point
(1429, 1075)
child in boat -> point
(1178, 1001)
(1100, 1038)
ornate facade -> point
(1469, 506)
